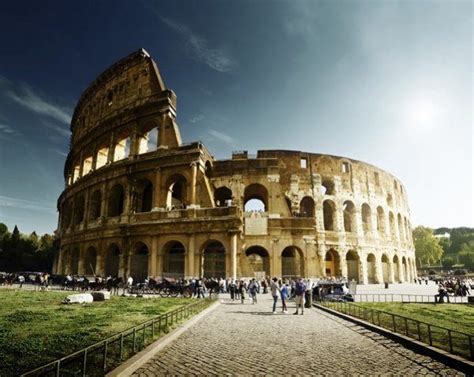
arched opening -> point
(292, 262)
(76, 173)
(349, 216)
(144, 196)
(401, 228)
(380, 220)
(139, 263)
(259, 261)
(87, 165)
(112, 261)
(366, 218)
(396, 269)
(74, 266)
(122, 149)
(177, 187)
(95, 205)
(90, 261)
(405, 270)
(329, 209)
(173, 260)
(390, 200)
(307, 207)
(66, 215)
(223, 197)
(214, 260)
(255, 198)
(116, 201)
(148, 141)
(385, 268)
(352, 259)
(79, 210)
(102, 156)
(371, 269)
(393, 230)
(332, 263)
(327, 187)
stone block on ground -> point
(101, 295)
(80, 298)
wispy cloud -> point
(6, 201)
(58, 151)
(8, 133)
(199, 49)
(302, 19)
(197, 118)
(229, 140)
(61, 131)
(24, 95)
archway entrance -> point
(396, 269)
(292, 262)
(352, 259)
(173, 260)
(90, 261)
(139, 263)
(74, 267)
(112, 261)
(213, 262)
(405, 270)
(385, 268)
(259, 261)
(371, 269)
(332, 263)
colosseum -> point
(138, 202)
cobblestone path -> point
(237, 339)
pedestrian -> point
(242, 291)
(232, 289)
(253, 289)
(284, 297)
(274, 288)
(300, 289)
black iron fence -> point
(103, 356)
(454, 342)
(393, 297)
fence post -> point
(429, 335)
(58, 366)
(393, 322)
(144, 335)
(84, 363)
(134, 339)
(418, 329)
(153, 328)
(450, 341)
(121, 347)
(471, 348)
(104, 366)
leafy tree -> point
(3, 229)
(15, 235)
(427, 248)
(448, 262)
(466, 255)
(445, 243)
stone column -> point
(401, 272)
(343, 263)
(363, 274)
(157, 190)
(358, 222)
(103, 204)
(59, 263)
(80, 266)
(194, 166)
(233, 258)
(152, 265)
(378, 270)
(276, 259)
(190, 264)
(322, 260)
(391, 272)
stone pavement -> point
(237, 339)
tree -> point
(15, 235)
(448, 262)
(3, 229)
(427, 248)
(466, 255)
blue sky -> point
(389, 83)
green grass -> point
(35, 328)
(459, 318)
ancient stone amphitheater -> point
(138, 202)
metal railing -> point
(393, 297)
(453, 341)
(103, 356)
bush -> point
(448, 262)
(460, 272)
(431, 272)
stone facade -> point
(139, 202)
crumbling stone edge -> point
(138, 360)
(453, 361)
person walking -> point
(242, 291)
(284, 297)
(232, 289)
(253, 289)
(274, 288)
(300, 289)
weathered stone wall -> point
(138, 202)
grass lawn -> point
(456, 317)
(35, 328)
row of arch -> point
(114, 262)
(120, 148)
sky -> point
(386, 82)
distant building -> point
(139, 202)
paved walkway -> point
(247, 339)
